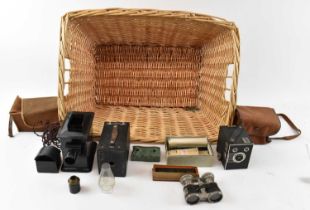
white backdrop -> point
(275, 43)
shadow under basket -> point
(168, 73)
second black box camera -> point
(234, 147)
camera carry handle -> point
(114, 135)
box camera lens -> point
(70, 157)
(234, 147)
(239, 157)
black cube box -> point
(48, 160)
(114, 147)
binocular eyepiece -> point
(200, 189)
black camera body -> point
(114, 146)
(77, 149)
(234, 147)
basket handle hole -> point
(67, 76)
(66, 90)
(230, 70)
(229, 83)
(227, 95)
(67, 64)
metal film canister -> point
(74, 184)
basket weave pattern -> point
(168, 76)
(164, 72)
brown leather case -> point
(262, 122)
(32, 114)
(172, 173)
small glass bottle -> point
(106, 178)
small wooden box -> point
(172, 173)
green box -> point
(146, 154)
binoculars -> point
(200, 189)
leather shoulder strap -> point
(10, 129)
(292, 125)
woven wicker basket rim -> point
(151, 13)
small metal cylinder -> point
(74, 184)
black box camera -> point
(234, 147)
(113, 147)
(77, 149)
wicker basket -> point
(165, 72)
